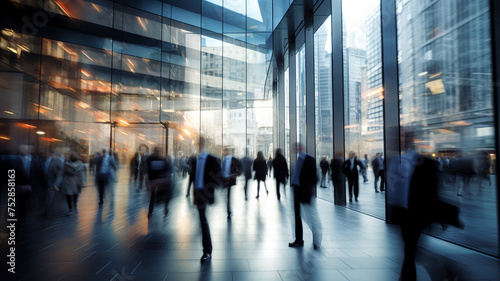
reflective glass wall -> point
(363, 99)
(132, 75)
(446, 100)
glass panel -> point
(446, 100)
(363, 99)
(323, 108)
(301, 94)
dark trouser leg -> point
(258, 187)
(410, 232)
(278, 188)
(350, 183)
(101, 185)
(323, 175)
(152, 202)
(382, 180)
(229, 200)
(356, 187)
(245, 187)
(205, 230)
(298, 220)
(70, 203)
(376, 174)
(141, 180)
(75, 201)
(189, 187)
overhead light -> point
(186, 131)
(9, 112)
(12, 50)
(40, 132)
(422, 73)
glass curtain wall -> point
(323, 107)
(132, 75)
(446, 101)
(363, 101)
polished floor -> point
(119, 242)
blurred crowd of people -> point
(40, 176)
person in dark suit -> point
(103, 170)
(207, 172)
(324, 170)
(351, 171)
(281, 172)
(159, 171)
(304, 179)
(247, 171)
(231, 168)
(52, 177)
(28, 174)
(260, 168)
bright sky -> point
(238, 6)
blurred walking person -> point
(53, 169)
(72, 181)
(269, 165)
(281, 172)
(304, 179)
(104, 174)
(159, 170)
(247, 171)
(231, 168)
(207, 170)
(325, 168)
(260, 168)
(363, 170)
(351, 171)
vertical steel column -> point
(495, 48)
(338, 101)
(281, 105)
(310, 100)
(310, 91)
(392, 145)
(292, 71)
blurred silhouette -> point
(72, 181)
(281, 172)
(137, 170)
(304, 179)
(363, 170)
(231, 168)
(159, 170)
(351, 171)
(207, 171)
(376, 166)
(414, 196)
(27, 169)
(247, 171)
(337, 175)
(325, 168)
(260, 168)
(463, 168)
(269, 165)
(483, 168)
(105, 165)
(53, 168)
(191, 173)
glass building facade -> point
(258, 75)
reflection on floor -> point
(118, 242)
